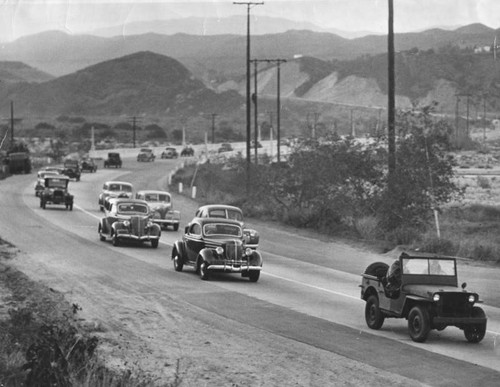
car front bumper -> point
(127, 235)
(231, 268)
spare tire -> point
(377, 269)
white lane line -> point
(311, 286)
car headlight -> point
(248, 251)
(126, 223)
(436, 297)
(472, 298)
(219, 250)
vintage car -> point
(225, 147)
(113, 160)
(187, 151)
(146, 154)
(160, 204)
(216, 245)
(71, 168)
(113, 189)
(229, 212)
(422, 288)
(169, 153)
(88, 165)
(128, 220)
(56, 192)
(40, 181)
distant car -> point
(169, 153)
(224, 211)
(88, 165)
(72, 169)
(113, 160)
(40, 182)
(225, 147)
(128, 220)
(216, 245)
(160, 204)
(146, 154)
(187, 151)
(423, 289)
(113, 189)
(58, 170)
(56, 192)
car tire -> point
(254, 275)
(102, 237)
(154, 243)
(43, 204)
(203, 270)
(373, 315)
(178, 264)
(115, 240)
(419, 324)
(176, 227)
(475, 333)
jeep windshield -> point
(221, 229)
(429, 266)
(132, 208)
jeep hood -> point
(427, 291)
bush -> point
(368, 227)
(483, 182)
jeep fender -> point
(411, 301)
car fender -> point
(155, 230)
(208, 255)
(256, 258)
(179, 246)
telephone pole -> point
(249, 6)
(213, 126)
(134, 120)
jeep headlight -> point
(472, 298)
(126, 223)
(219, 250)
(248, 251)
(436, 297)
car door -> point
(194, 242)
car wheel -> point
(203, 270)
(176, 227)
(71, 207)
(178, 264)
(102, 237)
(254, 275)
(419, 324)
(154, 243)
(373, 315)
(115, 240)
(475, 333)
(42, 204)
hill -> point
(15, 72)
(141, 83)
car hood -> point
(159, 206)
(428, 290)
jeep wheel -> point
(178, 264)
(254, 275)
(373, 315)
(154, 243)
(203, 270)
(419, 324)
(475, 333)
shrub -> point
(368, 227)
(483, 182)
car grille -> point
(138, 225)
(234, 250)
(454, 304)
(58, 194)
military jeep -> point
(424, 290)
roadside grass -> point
(42, 342)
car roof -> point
(118, 182)
(126, 200)
(204, 221)
(221, 206)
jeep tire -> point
(419, 323)
(474, 333)
(373, 315)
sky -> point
(25, 17)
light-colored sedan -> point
(160, 203)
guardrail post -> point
(193, 192)
(180, 187)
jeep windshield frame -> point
(429, 270)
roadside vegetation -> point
(338, 186)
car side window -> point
(195, 229)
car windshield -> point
(56, 183)
(429, 266)
(120, 187)
(212, 229)
(132, 208)
(155, 197)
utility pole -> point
(256, 123)
(134, 128)
(11, 123)
(249, 6)
(213, 126)
(391, 108)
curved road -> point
(308, 293)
